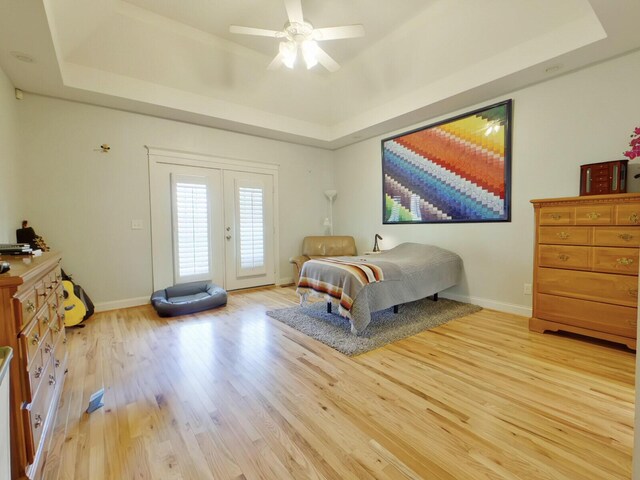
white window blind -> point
(192, 229)
(251, 219)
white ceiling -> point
(419, 58)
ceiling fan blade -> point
(326, 61)
(261, 32)
(294, 10)
(276, 63)
(335, 33)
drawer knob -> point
(563, 235)
(593, 215)
(634, 217)
(38, 372)
(555, 216)
(38, 422)
(31, 307)
(624, 261)
(563, 257)
(35, 338)
(625, 236)
(47, 348)
(52, 380)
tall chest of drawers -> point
(32, 323)
(586, 266)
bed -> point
(363, 284)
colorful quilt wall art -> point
(458, 170)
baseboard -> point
(284, 281)
(126, 303)
(492, 304)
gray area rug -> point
(385, 326)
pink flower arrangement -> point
(634, 144)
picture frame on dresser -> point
(586, 261)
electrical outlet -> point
(527, 289)
(136, 224)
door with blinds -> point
(249, 229)
(211, 219)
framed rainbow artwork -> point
(454, 171)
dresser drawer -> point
(60, 356)
(615, 260)
(28, 307)
(41, 294)
(628, 214)
(557, 215)
(45, 319)
(597, 316)
(46, 347)
(60, 298)
(39, 408)
(594, 215)
(565, 235)
(617, 236)
(600, 287)
(36, 373)
(564, 256)
(30, 340)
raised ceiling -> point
(419, 58)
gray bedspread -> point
(424, 271)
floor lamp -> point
(330, 194)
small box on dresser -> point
(32, 324)
(586, 266)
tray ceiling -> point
(419, 59)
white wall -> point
(82, 201)
(579, 118)
(9, 205)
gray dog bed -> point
(188, 298)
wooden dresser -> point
(586, 266)
(32, 323)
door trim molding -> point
(192, 159)
(159, 155)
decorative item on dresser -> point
(586, 266)
(32, 324)
(603, 178)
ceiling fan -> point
(299, 35)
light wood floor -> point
(234, 394)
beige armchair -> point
(318, 247)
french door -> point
(249, 228)
(211, 224)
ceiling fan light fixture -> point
(298, 34)
(310, 53)
(288, 52)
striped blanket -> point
(342, 278)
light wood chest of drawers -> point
(32, 323)
(586, 266)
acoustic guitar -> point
(74, 309)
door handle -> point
(228, 237)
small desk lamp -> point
(376, 248)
